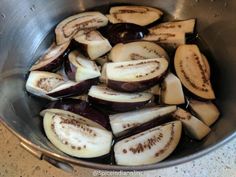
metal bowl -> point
(24, 29)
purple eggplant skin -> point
(82, 108)
(116, 106)
(135, 86)
(78, 89)
(124, 32)
(70, 69)
(146, 126)
(53, 66)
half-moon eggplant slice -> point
(51, 59)
(80, 68)
(123, 121)
(70, 88)
(93, 44)
(80, 107)
(185, 26)
(171, 39)
(139, 15)
(150, 146)
(117, 101)
(136, 75)
(193, 126)
(66, 29)
(40, 83)
(73, 137)
(139, 50)
(191, 70)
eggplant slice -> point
(139, 15)
(139, 50)
(136, 75)
(93, 44)
(75, 106)
(73, 137)
(128, 120)
(194, 127)
(70, 88)
(171, 90)
(150, 146)
(185, 26)
(205, 111)
(51, 59)
(117, 101)
(191, 70)
(40, 83)
(124, 32)
(207, 66)
(66, 29)
(80, 68)
(171, 39)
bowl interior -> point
(26, 30)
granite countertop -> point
(17, 162)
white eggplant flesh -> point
(124, 121)
(75, 138)
(150, 146)
(193, 126)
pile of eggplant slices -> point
(112, 89)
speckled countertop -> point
(16, 162)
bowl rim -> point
(107, 167)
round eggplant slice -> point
(66, 29)
(117, 101)
(128, 120)
(40, 83)
(136, 75)
(78, 107)
(70, 88)
(150, 146)
(136, 51)
(79, 68)
(76, 138)
(185, 26)
(124, 32)
(191, 70)
(139, 15)
(93, 44)
(51, 59)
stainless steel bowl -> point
(24, 29)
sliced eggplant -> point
(124, 32)
(79, 68)
(124, 121)
(117, 101)
(140, 15)
(170, 39)
(194, 127)
(207, 66)
(103, 77)
(205, 111)
(185, 26)
(66, 29)
(136, 75)
(171, 90)
(40, 83)
(136, 51)
(93, 44)
(78, 107)
(70, 88)
(76, 138)
(51, 59)
(150, 146)
(191, 70)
